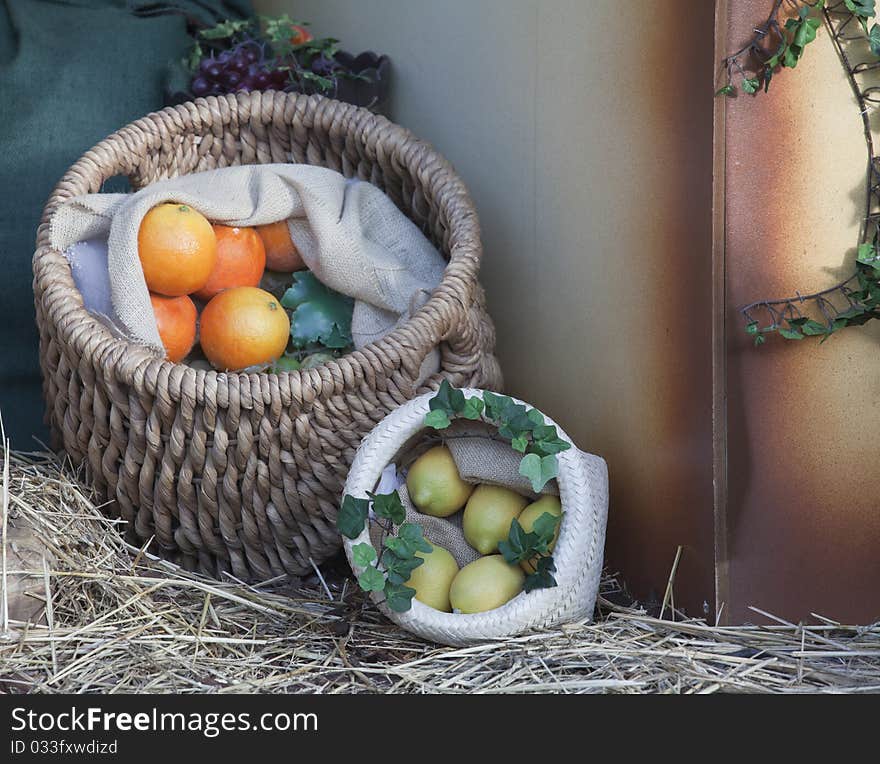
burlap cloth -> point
(350, 234)
(481, 456)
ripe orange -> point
(176, 319)
(241, 260)
(242, 327)
(178, 249)
(281, 253)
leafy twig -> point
(787, 43)
(389, 571)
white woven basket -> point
(583, 492)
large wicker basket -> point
(243, 472)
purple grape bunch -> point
(242, 67)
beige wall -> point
(583, 130)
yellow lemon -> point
(485, 584)
(433, 577)
(434, 484)
(488, 515)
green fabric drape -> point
(71, 72)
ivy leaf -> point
(544, 448)
(399, 568)
(515, 421)
(861, 8)
(519, 545)
(813, 328)
(412, 534)
(549, 444)
(363, 554)
(727, 90)
(495, 404)
(372, 580)
(542, 578)
(398, 547)
(352, 517)
(790, 334)
(448, 398)
(399, 597)
(874, 39)
(544, 432)
(438, 419)
(319, 315)
(520, 443)
(867, 253)
(473, 408)
(751, 85)
(545, 528)
(790, 57)
(536, 418)
(805, 32)
(388, 505)
(538, 469)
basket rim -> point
(402, 424)
(137, 366)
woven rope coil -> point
(578, 554)
(243, 472)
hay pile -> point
(115, 619)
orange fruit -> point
(241, 260)
(281, 253)
(242, 327)
(177, 248)
(176, 319)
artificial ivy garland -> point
(776, 45)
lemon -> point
(527, 521)
(433, 577)
(485, 584)
(434, 484)
(488, 515)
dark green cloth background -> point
(71, 72)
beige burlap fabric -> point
(350, 234)
(482, 456)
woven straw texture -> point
(242, 473)
(583, 491)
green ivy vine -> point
(776, 45)
(524, 427)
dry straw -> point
(120, 620)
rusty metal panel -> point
(802, 522)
